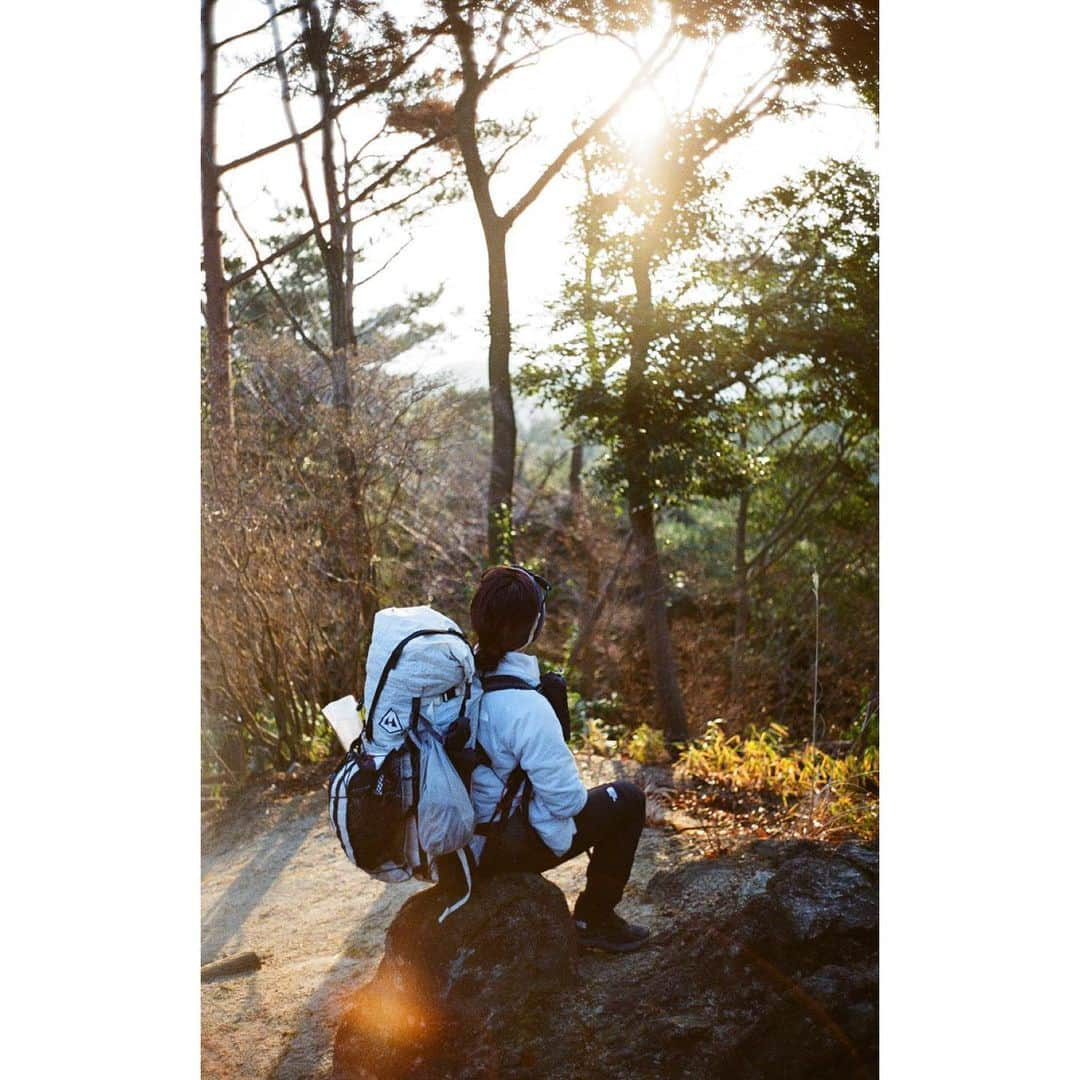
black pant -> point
(610, 823)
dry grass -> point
(759, 785)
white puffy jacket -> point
(520, 727)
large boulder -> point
(769, 968)
(479, 995)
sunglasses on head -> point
(543, 583)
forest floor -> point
(275, 881)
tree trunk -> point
(741, 595)
(500, 502)
(586, 664)
(503, 425)
(577, 455)
(342, 327)
(670, 708)
(219, 377)
(474, 81)
(357, 553)
(581, 530)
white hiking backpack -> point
(397, 802)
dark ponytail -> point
(488, 657)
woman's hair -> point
(505, 613)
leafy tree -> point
(647, 375)
(352, 52)
(662, 371)
(822, 41)
(806, 306)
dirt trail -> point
(275, 881)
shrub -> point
(646, 746)
(596, 737)
(837, 792)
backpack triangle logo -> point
(390, 722)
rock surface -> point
(763, 964)
(473, 996)
(769, 968)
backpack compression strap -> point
(465, 857)
(391, 663)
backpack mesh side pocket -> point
(370, 810)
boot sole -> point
(611, 946)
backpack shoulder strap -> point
(518, 778)
(491, 683)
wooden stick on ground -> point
(231, 965)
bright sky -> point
(575, 80)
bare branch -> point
(754, 95)
(650, 68)
(528, 59)
(255, 29)
(305, 183)
(297, 241)
(500, 44)
(512, 145)
(374, 274)
(268, 282)
(792, 537)
(358, 156)
(589, 627)
(782, 431)
(368, 91)
(797, 507)
(453, 559)
(540, 488)
(705, 68)
(397, 204)
(256, 67)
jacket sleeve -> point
(550, 765)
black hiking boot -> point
(611, 933)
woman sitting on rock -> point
(532, 808)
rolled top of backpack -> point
(416, 652)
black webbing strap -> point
(514, 782)
(391, 663)
(490, 683)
